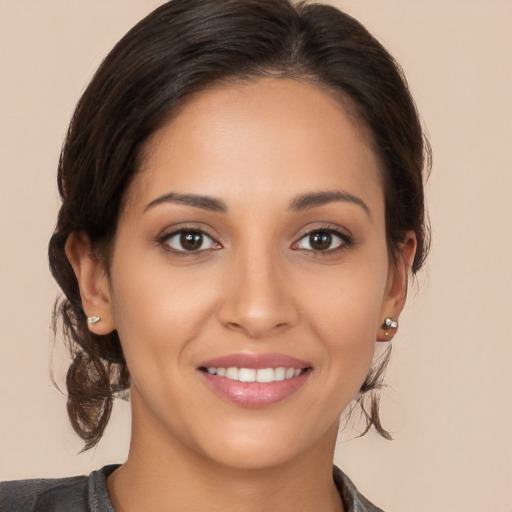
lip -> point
(255, 394)
(256, 361)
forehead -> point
(262, 139)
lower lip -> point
(255, 394)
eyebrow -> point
(315, 199)
(300, 203)
(198, 201)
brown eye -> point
(322, 241)
(189, 241)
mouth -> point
(262, 375)
(255, 381)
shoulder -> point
(353, 500)
(30, 495)
(73, 494)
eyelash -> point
(164, 241)
(345, 241)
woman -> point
(242, 206)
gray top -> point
(89, 494)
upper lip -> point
(256, 361)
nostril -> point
(257, 329)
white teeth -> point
(280, 373)
(259, 375)
(246, 374)
(232, 373)
(265, 375)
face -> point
(249, 275)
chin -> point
(265, 446)
(254, 458)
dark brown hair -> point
(183, 47)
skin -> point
(258, 287)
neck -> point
(162, 474)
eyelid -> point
(346, 239)
(170, 233)
(336, 231)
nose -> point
(257, 297)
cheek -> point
(157, 311)
(344, 314)
(350, 335)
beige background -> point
(449, 406)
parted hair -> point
(184, 47)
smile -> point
(255, 375)
(255, 380)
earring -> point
(390, 324)
(93, 320)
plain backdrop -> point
(448, 404)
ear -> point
(396, 287)
(92, 280)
